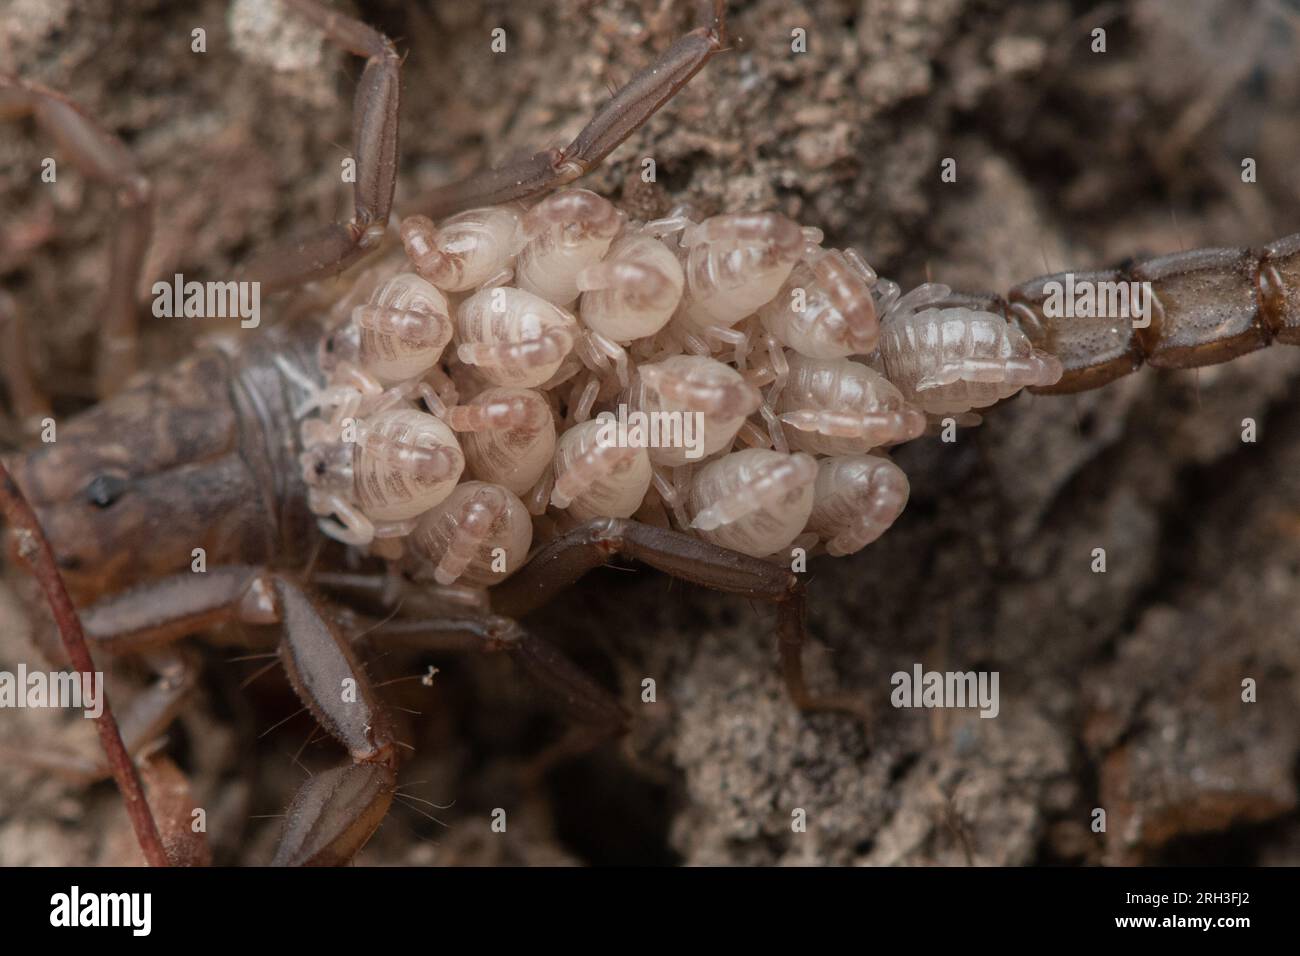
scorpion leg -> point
(334, 813)
(582, 699)
(590, 545)
(596, 715)
(374, 134)
(170, 797)
(102, 157)
(141, 722)
(638, 100)
(30, 404)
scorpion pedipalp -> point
(336, 812)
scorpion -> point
(536, 303)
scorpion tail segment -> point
(419, 239)
(329, 679)
(473, 525)
(334, 814)
(548, 348)
(588, 468)
(1193, 308)
(429, 329)
(714, 396)
(848, 283)
(770, 482)
(525, 410)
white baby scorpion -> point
(839, 407)
(468, 250)
(508, 435)
(755, 501)
(477, 536)
(513, 337)
(596, 479)
(951, 360)
(733, 264)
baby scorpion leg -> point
(590, 545)
(642, 97)
(374, 135)
(102, 157)
(334, 813)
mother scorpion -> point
(220, 452)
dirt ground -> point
(1119, 690)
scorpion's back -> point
(202, 455)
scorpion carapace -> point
(449, 419)
(115, 492)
